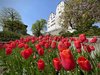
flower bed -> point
(50, 55)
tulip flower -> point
(82, 37)
(26, 46)
(67, 44)
(88, 48)
(41, 65)
(67, 60)
(40, 51)
(37, 46)
(61, 46)
(93, 40)
(8, 51)
(33, 41)
(77, 44)
(57, 64)
(53, 45)
(92, 47)
(84, 63)
(13, 44)
(46, 45)
(20, 45)
(26, 53)
(79, 50)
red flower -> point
(84, 63)
(92, 48)
(13, 44)
(93, 40)
(79, 50)
(67, 60)
(33, 41)
(46, 45)
(77, 44)
(26, 46)
(20, 45)
(53, 45)
(37, 46)
(67, 44)
(40, 64)
(30, 50)
(86, 41)
(82, 37)
(56, 64)
(87, 48)
(40, 51)
(8, 51)
(61, 46)
(26, 53)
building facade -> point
(54, 22)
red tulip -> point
(87, 48)
(26, 46)
(93, 40)
(26, 53)
(79, 50)
(84, 63)
(53, 45)
(82, 37)
(30, 50)
(56, 64)
(46, 45)
(92, 48)
(20, 45)
(42, 43)
(86, 41)
(67, 44)
(33, 41)
(67, 60)
(37, 46)
(40, 51)
(41, 64)
(13, 44)
(8, 51)
(77, 44)
(61, 46)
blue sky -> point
(31, 10)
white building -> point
(53, 24)
(1, 28)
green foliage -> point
(66, 34)
(93, 31)
(7, 36)
(38, 27)
(15, 26)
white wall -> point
(51, 22)
(1, 28)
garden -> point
(50, 55)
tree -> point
(38, 27)
(17, 27)
(81, 14)
(11, 15)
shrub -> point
(7, 36)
